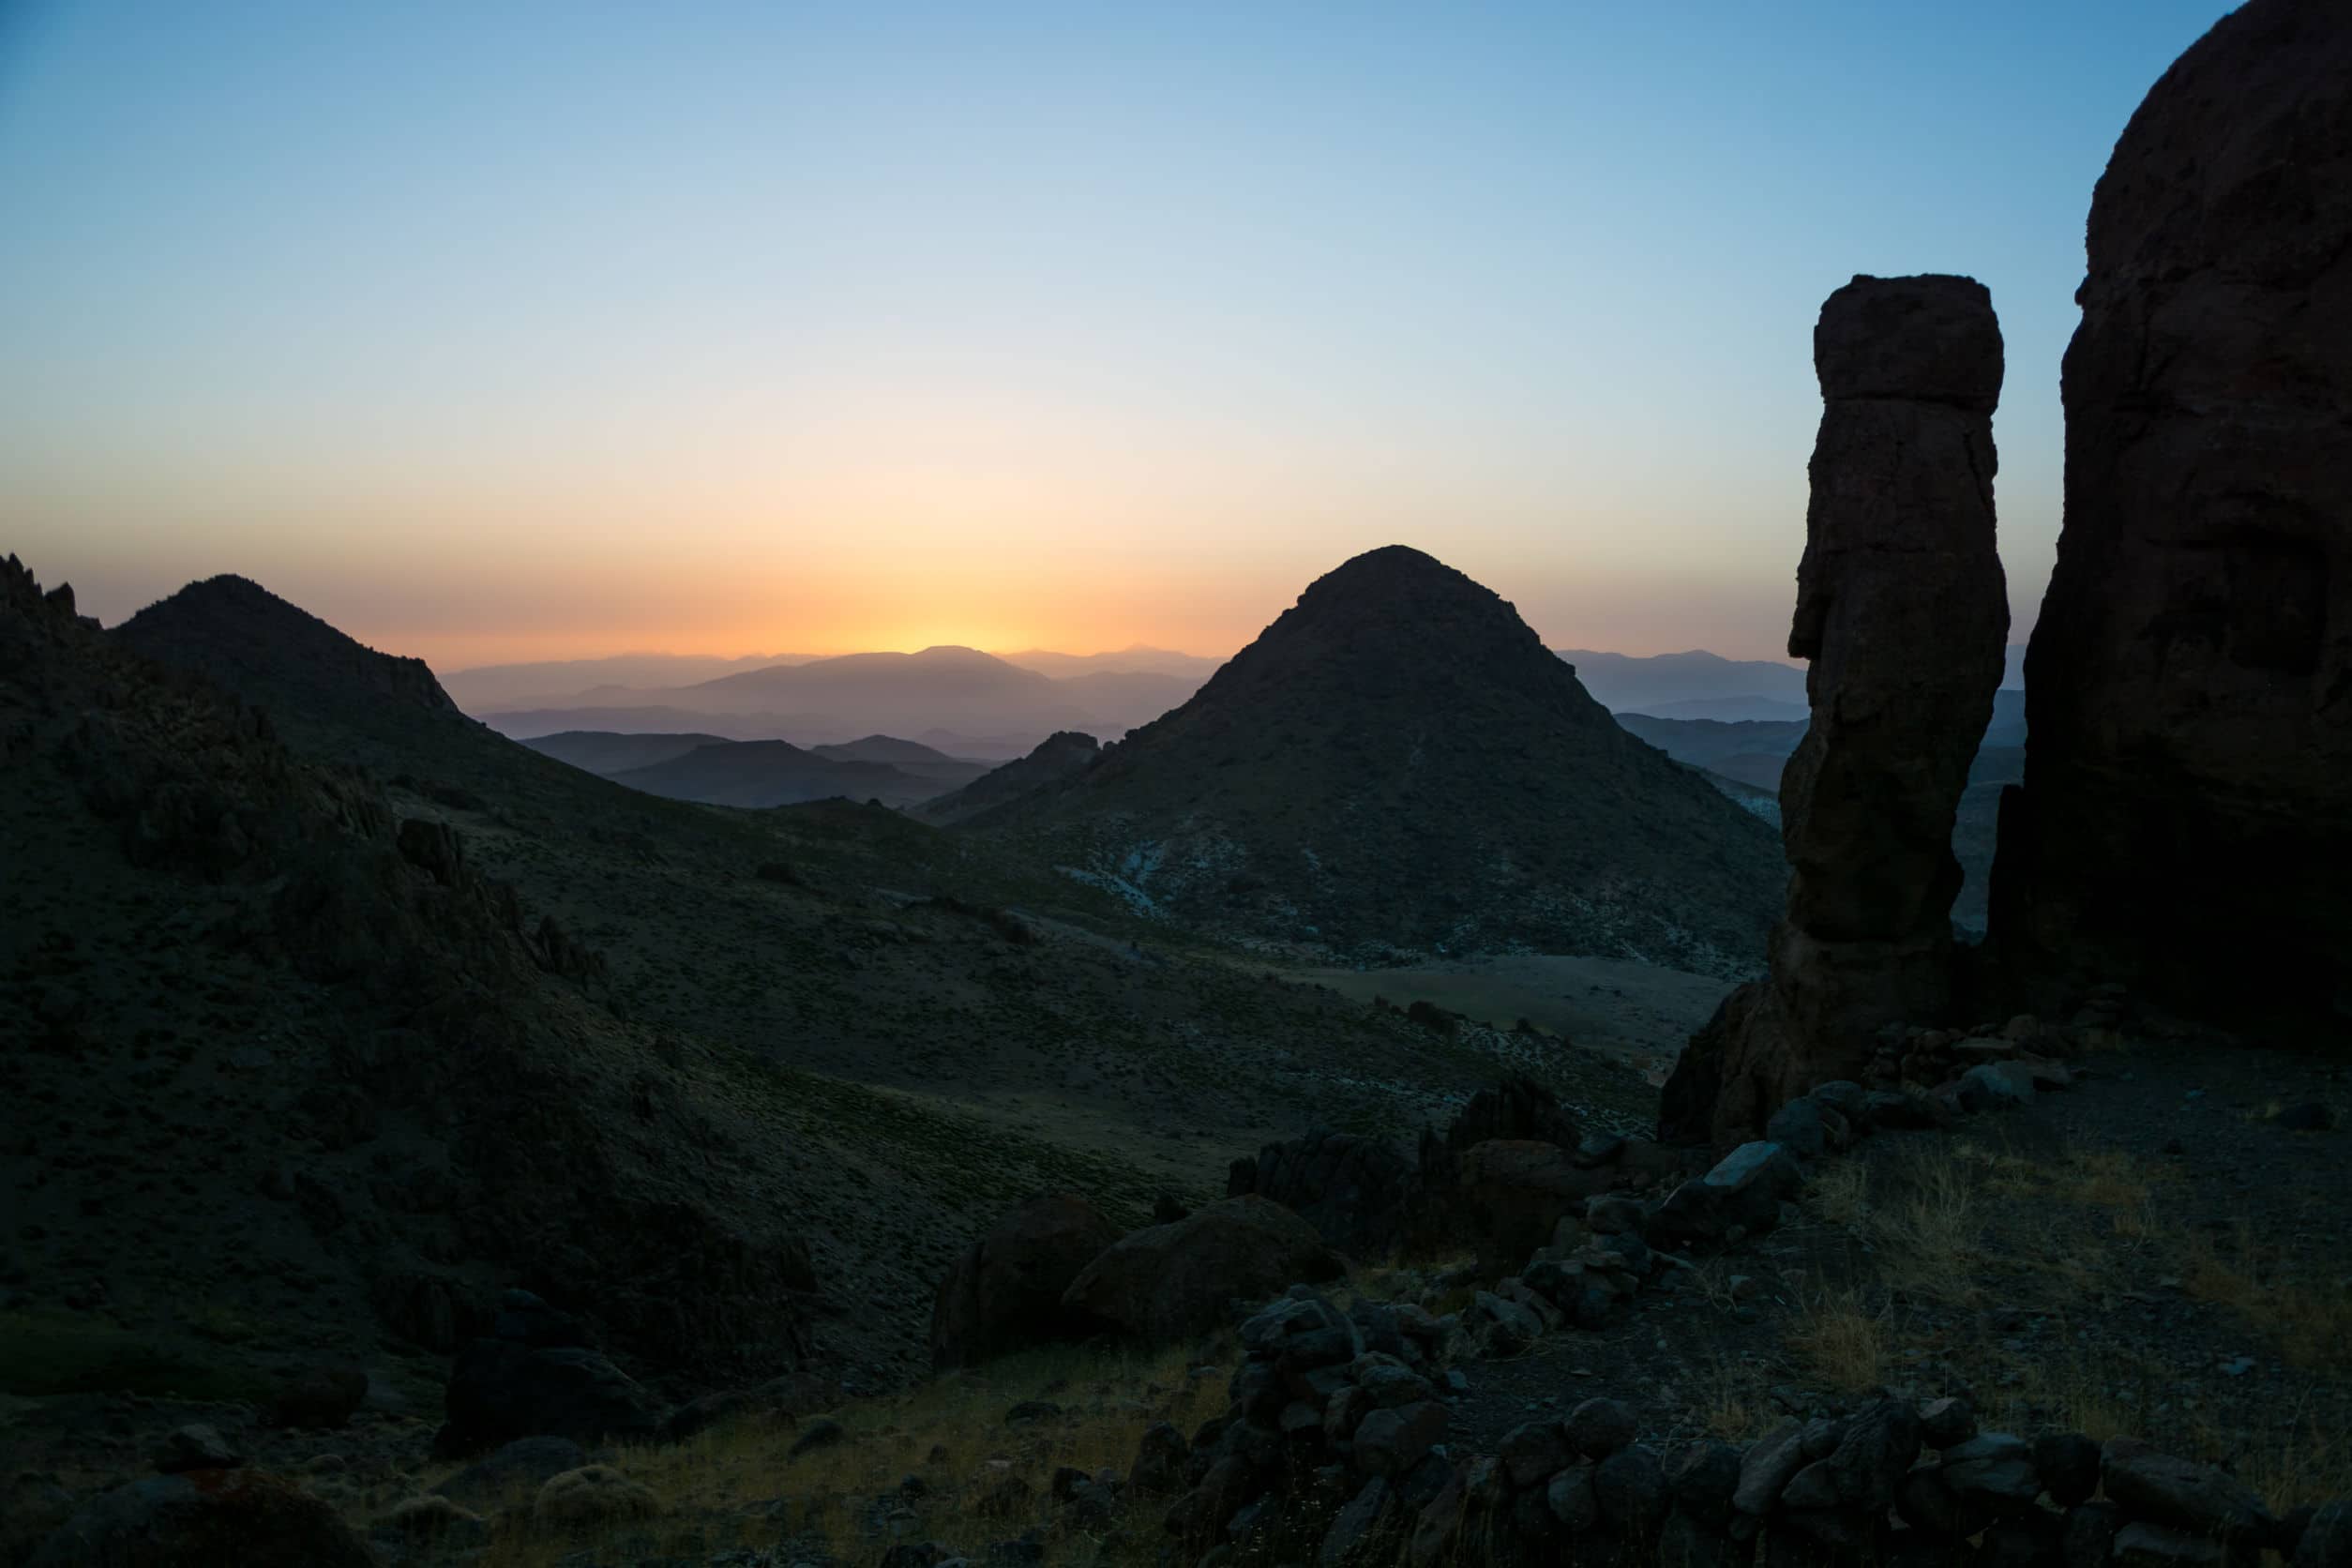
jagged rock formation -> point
(2186, 814)
(1902, 609)
(1399, 761)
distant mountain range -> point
(722, 771)
(1747, 758)
(969, 703)
(1398, 762)
(1700, 685)
(958, 691)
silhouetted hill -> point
(1139, 659)
(389, 1079)
(602, 751)
(774, 772)
(1398, 759)
(268, 653)
(561, 682)
(1056, 758)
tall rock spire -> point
(1902, 612)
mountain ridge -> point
(1399, 758)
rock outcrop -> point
(1902, 609)
(1005, 1291)
(1354, 1190)
(1167, 1281)
(2186, 813)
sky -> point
(501, 331)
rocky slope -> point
(913, 1055)
(298, 1080)
(1056, 758)
(1398, 759)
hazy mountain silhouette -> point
(1399, 759)
(601, 751)
(821, 701)
(1137, 660)
(774, 772)
(558, 683)
(1624, 682)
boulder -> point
(1353, 1190)
(500, 1391)
(1005, 1290)
(2068, 1463)
(2186, 810)
(1391, 1442)
(1572, 1499)
(1995, 1469)
(1766, 1468)
(1512, 1193)
(2181, 1493)
(1903, 614)
(207, 1518)
(1597, 1428)
(1355, 1535)
(1171, 1281)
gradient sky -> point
(502, 331)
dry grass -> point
(1734, 1404)
(2311, 1321)
(737, 1485)
(1842, 1341)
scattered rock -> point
(2181, 1493)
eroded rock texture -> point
(2185, 823)
(1902, 612)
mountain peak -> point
(1399, 759)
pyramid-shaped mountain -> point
(283, 659)
(1399, 760)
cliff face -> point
(2186, 814)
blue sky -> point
(537, 329)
